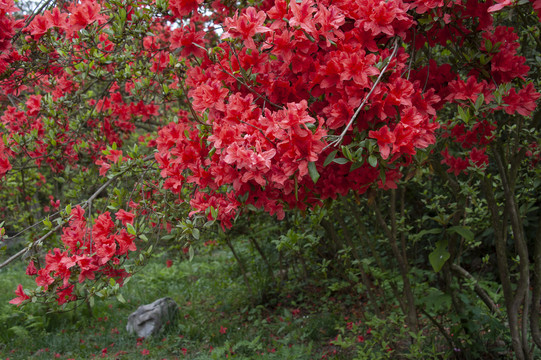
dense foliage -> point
(404, 131)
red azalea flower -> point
(125, 217)
(31, 269)
(21, 296)
(385, 140)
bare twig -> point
(412, 54)
(536, 292)
(258, 129)
(440, 328)
(264, 98)
(391, 233)
(35, 243)
(478, 289)
(190, 107)
(339, 139)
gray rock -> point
(149, 319)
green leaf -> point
(355, 166)
(341, 161)
(131, 229)
(195, 233)
(191, 253)
(122, 14)
(463, 231)
(435, 300)
(330, 158)
(214, 212)
(308, 36)
(425, 20)
(373, 161)
(439, 256)
(312, 170)
(347, 153)
(479, 102)
(434, 231)
(463, 114)
(121, 298)
(209, 224)
(48, 224)
(383, 176)
(488, 45)
(296, 189)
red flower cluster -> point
(260, 147)
(8, 25)
(505, 66)
(88, 252)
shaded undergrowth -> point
(217, 318)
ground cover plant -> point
(373, 166)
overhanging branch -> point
(85, 204)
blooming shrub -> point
(291, 105)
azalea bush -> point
(127, 125)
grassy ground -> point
(217, 318)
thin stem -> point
(260, 130)
(241, 265)
(263, 256)
(440, 328)
(536, 292)
(264, 98)
(35, 243)
(190, 107)
(478, 289)
(341, 136)
(411, 315)
(498, 223)
(364, 276)
(521, 293)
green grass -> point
(211, 295)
